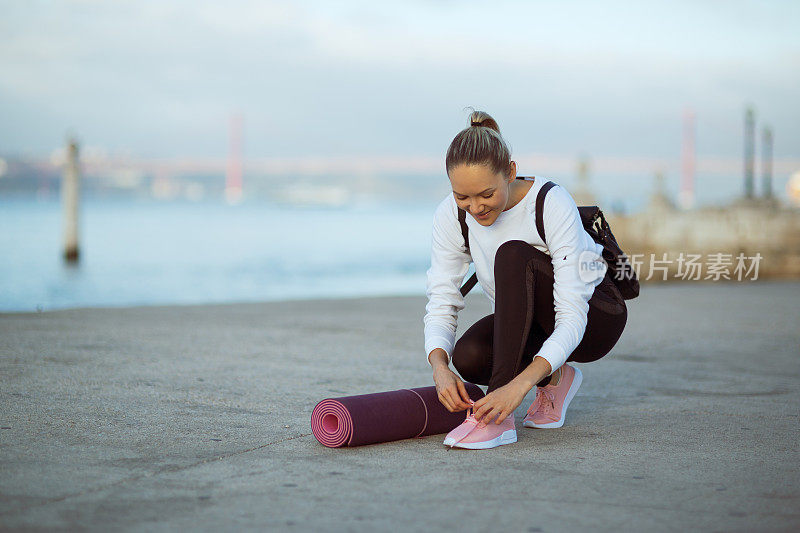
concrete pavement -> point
(163, 418)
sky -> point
(318, 79)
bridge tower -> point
(233, 171)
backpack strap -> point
(462, 219)
(473, 280)
(540, 208)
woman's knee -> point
(516, 251)
(519, 253)
(472, 359)
(513, 251)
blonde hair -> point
(480, 143)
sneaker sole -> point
(508, 437)
(576, 383)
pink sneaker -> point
(477, 435)
(550, 406)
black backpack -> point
(620, 270)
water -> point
(150, 253)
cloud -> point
(318, 77)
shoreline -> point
(645, 286)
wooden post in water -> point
(70, 196)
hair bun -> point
(480, 143)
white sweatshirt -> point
(567, 239)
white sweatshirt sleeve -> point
(566, 239)
(449, 264)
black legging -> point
(496, 348)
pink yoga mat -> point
(385, 416)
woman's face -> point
(480, 192)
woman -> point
(548, 307)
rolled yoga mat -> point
(385, 416)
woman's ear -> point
(512, 171)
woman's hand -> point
(450, 389)
(500, 402)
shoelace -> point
(544, 402)
(468, 426)
(471, 418)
